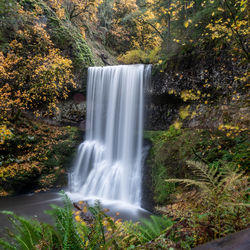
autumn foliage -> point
(34, 74)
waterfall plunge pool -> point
(33, 206)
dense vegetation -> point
(198, 166)
(214, 215)
(35, 156)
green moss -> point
(157, 160)
(162, 189)
(68, 38)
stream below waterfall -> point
(33, 206)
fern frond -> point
(237, 204)
(217, 179)
(202, 171)
(21, 242)
(232, 180)
(28, 232)
(152, 228)
(7, 245)
(188, 182)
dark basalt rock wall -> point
(147, 192)
(161, 110)
(213, 74)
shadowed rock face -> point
(236, 241)
(72, 111)
(211, 74)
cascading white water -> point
(109, 162)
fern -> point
(29, 234)
(65, 225)
(6, 245)
(205, 174)
(210, 179)
(221, 197)
(152, 228)
(67, 234)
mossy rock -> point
(68, 38)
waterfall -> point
(109, 161)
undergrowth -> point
(212, 212)
(220, 204)
(173, 147)
(86, 228)
(35, 152)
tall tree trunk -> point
(169, 29)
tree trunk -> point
(169, 29)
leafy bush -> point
(173, 147)
(140, 56)
(36, 156)
(133, 57)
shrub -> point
(133, 57)
(220, 205)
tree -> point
(119, 27)
(229, 23)
(72, 9)
(34, 75)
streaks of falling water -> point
(109, 162)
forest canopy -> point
(45, 43)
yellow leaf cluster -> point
(18, 169)
(5, 134)
(190, 95)
(184, 112)
(231, 130)
(177, 125)
(231, 26)
(85, 10)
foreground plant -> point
(84, 228)
(31, 234)
(221, 204)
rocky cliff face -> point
(200, 91)
(207, 88)
(72, 112)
